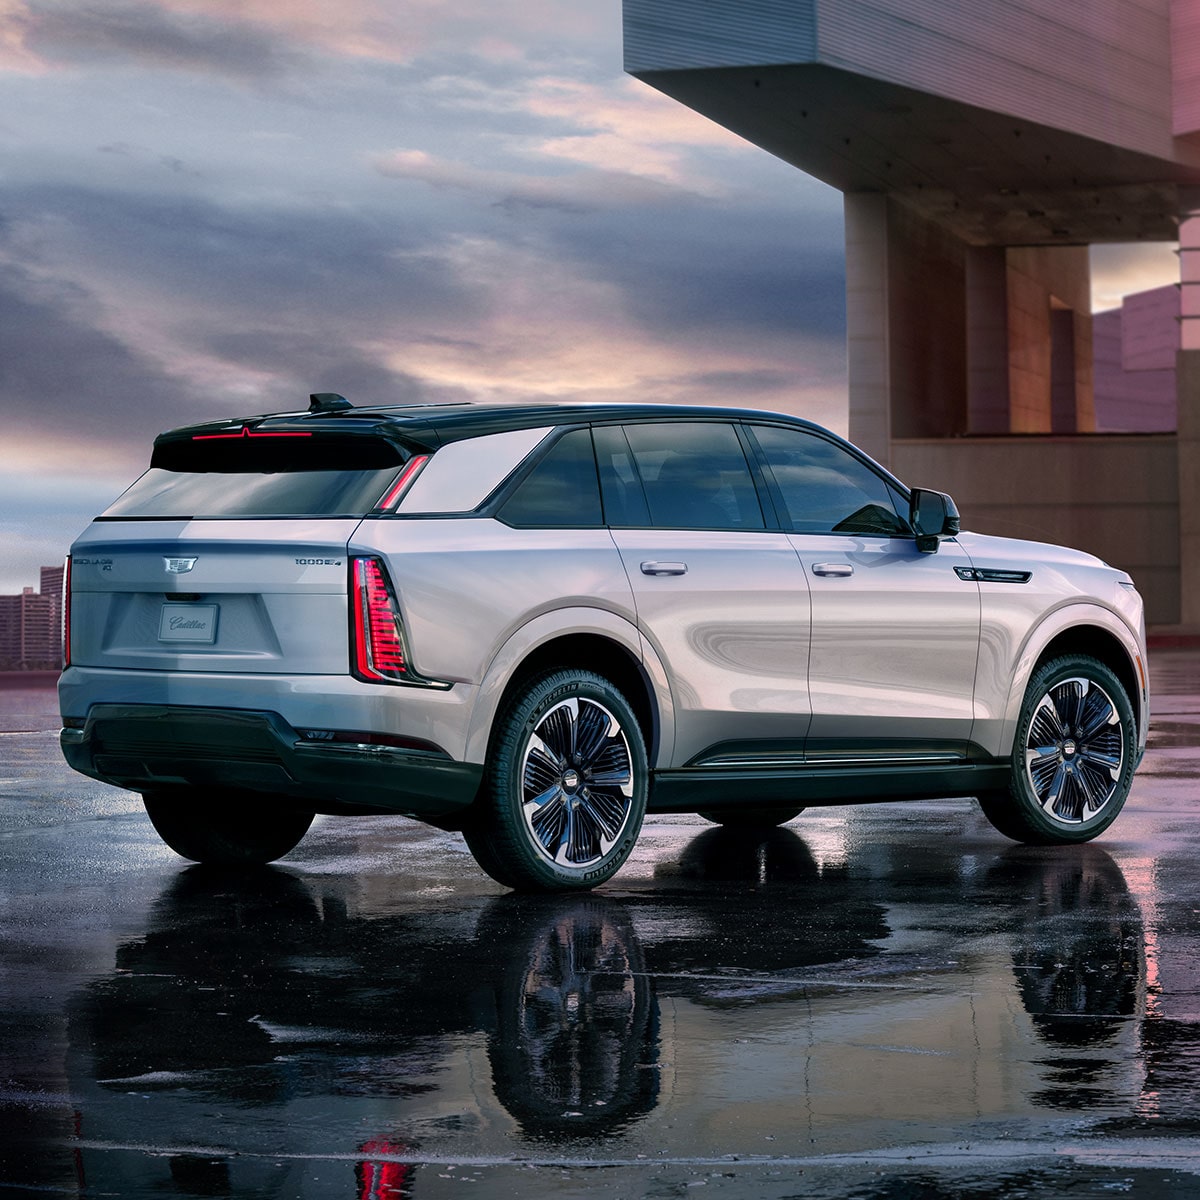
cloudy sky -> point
(214, 207)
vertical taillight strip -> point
(378, 643)
(379, 653)
(66, 613)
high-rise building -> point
(51, 581)
(31, 626)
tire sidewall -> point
(511, 838)
(1057, 671)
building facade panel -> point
(1087, 69)
(1140, 401)
(666, 35)
(1185, 66)
(1150, 329)
(1044, 489)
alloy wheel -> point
(577, 782)
(1074, 751)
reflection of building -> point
(982, 149)
(30, 626)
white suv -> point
(536, 623)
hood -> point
(988, 550)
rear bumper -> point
(148, 746)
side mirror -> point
(933, 516)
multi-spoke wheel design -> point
(566, 786)
(577, 782)
(1073, 758)
(1074, 751)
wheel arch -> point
(599, 642)
(1083, 629)
(1100, 644)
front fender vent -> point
(992, 575)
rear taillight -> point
(378, 640)
(378, 653)
(66, 613)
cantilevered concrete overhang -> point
(968, 113)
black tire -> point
(557, 737)
(750, 818)
(225, 827)
(1073, 756)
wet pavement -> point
(888, 1001)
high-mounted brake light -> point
(378, 641)
(245, 432)
(411, 469)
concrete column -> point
(1187, 385)
(1063, 415)
(987, 340)
(1187, 394)
(867, 341)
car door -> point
(717, 593)
(895, 632)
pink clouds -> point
(579, 191)
(192, 34)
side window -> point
(694, 476)
(824, 488)
(561, 490)
(624, 501)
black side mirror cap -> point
(933, 516)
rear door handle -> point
(838, 569)
(664, 568)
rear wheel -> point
(566, 786)
(750, 818)
(1073, 756)
(224, 826)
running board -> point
(820, 782)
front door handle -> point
(839, 569)
(664, 568)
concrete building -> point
(1134, 349)
(982, 148)
(31, 626)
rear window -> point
(257, 475)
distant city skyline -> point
(31, 624)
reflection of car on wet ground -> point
(517, 1023)
(536, 623)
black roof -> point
(425, 427)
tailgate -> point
(237, 596)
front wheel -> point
(566, 786)
(225, 827)
(1073, 756)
